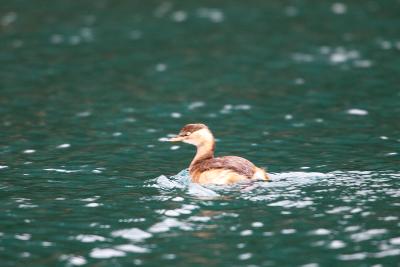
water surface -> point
(307, 90)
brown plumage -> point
(206, 169)
(237, 164)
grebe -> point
(205, 169)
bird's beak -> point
(176, 139)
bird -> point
(207, 169)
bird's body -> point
(206, 169)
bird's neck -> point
(204, 151)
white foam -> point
(339, 8)
(172, 213)
(363, 63)
(74, 260)
(350, 257)
(176, 115)
(8, 19)
(213, 14)
(246, 232)
(61, 170)
(197, 104)
(245, 256)
(64, 146)
(288, 116)
(135, 34)
(179, 16)
(106, 253)
(89, 238)
(288, 231)
(130, 120)
(74, 40)
(321, 231)
(386, 253)
(301, 57)
(366, 235)
(163, 139)
(291, 11)
(132, 248)
(395, 241)
(84, 114)
(77, 260)
(257, 224)
(87, 34)
(164, 183)
(29, 151)
(93, 205)
(23, 236)
(161, 67)
(167, 224)
(162, 9)
(89, 199)
(200, 191)
(134, 234)
(336, 244)
(358, 112)
(56, 39)
(199, 218)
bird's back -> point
(237, 164)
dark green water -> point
(307, 89)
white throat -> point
(200, 138)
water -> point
(308, 90)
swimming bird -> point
(206, 169)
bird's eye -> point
(188, 133)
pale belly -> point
(223, 176)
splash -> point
(181, 181)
